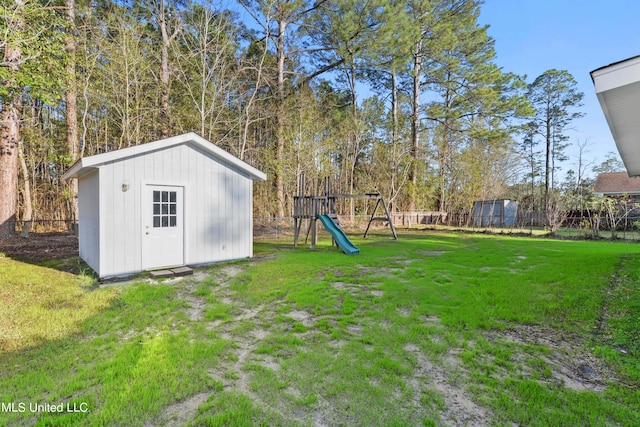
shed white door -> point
(162, 226)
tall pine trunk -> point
(9, 137)
(395, 140)
(165, 72)
(415, 124)
(71, 98)
(10, 128)
(547, 162)
(280, 121)
(27, 216)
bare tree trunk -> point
(27, 216)
(280, 121)
(394, 108)
(415, 124)
(247, 110)
(356, 136)
(394, 136)
(533, 187)
(444, 152)
(72, 105)
(9, 137)
(10, 130)
(164, 68)
(164, 92)
(547, 174)
(582, 166)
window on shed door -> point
(164, 209)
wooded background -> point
(399, 97)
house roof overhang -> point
(618, 90)
(86, 165)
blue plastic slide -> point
(338, 235)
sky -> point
(532, 36)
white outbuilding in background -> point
(174, 202)
(495, 213)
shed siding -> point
(217, 207)
(222, 207)
(89, 220)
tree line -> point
(399, 97)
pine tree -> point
(553, 95)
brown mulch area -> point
(40, 246)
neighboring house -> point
(624, 212)
(618, 89)
(174, 202)
(618, 184)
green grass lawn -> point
(433, 329)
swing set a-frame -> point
(309, 207)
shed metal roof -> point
(86, 164)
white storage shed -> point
(174, 202)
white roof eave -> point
(93, 162)
(618, 90)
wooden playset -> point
(311, 207)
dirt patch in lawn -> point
(459, 407)
(572, 364)
(307, 319)
(228, 272)
(231, 372)
(429, 253)
(182, 412)
(197, 305)
(40, 247)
